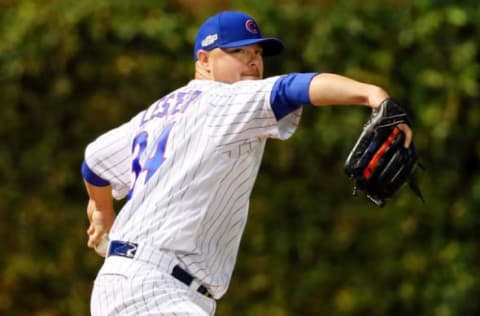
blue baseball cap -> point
(232, 29)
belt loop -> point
(182, 275)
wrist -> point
(376, 96)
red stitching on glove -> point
(367, 172)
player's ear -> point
(202, 66)
(202, 58)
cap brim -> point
(271, 46)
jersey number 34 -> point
(151, 165)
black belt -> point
(128, 250)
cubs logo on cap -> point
(232, 29)
(251, 26)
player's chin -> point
(251, 77)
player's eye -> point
(244, 51)
(235, 50)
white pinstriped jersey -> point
(187, 165)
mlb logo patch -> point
(209, 40)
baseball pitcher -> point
(186, 166)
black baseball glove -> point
(379, 163)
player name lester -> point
(170, 105)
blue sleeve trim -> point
(290, 92)
(91, 177)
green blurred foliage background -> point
(70, 70)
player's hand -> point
(100, 223)
(375, 99)
(408, 134)
(377, 163)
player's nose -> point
(254, 62)
(253, 54)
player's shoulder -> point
(211, 87)
(205, 84)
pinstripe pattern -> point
(196, 203)
(136, 288)
(107, 155)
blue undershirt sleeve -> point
(91, 177)
(290, 92)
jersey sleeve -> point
(290, 92)
(107, 161)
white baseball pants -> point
(126, 286)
